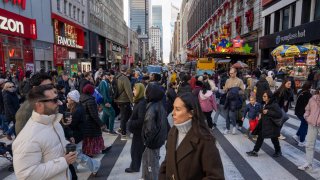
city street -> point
(237, 165)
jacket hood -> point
(207, 95)
(154, 92)
(140, 92)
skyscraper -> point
(157, 22)
(139, 16)
(155, 37)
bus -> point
(205, 65)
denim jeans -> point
(150, 164)
(5, 126)
(108, 117)
(85, 161)
(303, 129)
(231, 117)
(311, 141)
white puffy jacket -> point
(39, 148)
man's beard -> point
(49, 111)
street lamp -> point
(201, 38)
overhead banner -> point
(16, 25)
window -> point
(317, 10)
(74, 12)
(82, 18)
(78, 15)
(65, 7)
(306, 7)
(277, 21)
(285, 18)
(58, 5)
(293, 15)
(267, 21)
(70, 9)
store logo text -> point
(289, 37)
(11, 25)
(68, 42)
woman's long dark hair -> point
(206, 87)
(279, 92)
(198, 118)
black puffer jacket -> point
(302, 101)
(184, 88)
(267, 127)
(171, 96)
(154, 130)
(93, 124)
(11, 105)
(136, 120)
(77, 124)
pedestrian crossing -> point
(237, 164)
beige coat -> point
(39, 149)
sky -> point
(166, 17)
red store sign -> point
(22, 3)
(266, 2)
(16, 25)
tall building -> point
(157, 22)
(139, 15)
(155, 37)
(174, 14)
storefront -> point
(68, 43)
(300, 35)
(115, 53)
(16, 35)
(97, 50)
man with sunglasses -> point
(39, 152)
(25, 110)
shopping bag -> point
(246, 124)
(253, 123)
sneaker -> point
(226, 131)
(113, 133)
(254, 138)
(302, 144)
(296, 138)
(281, 137)
(123, 137)
(305, 167)
(277, 154)
(119, 131)
(252, 153)
(234, 130)
(239, 128)
(105, 130)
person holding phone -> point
(39, 152)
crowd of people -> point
(45, 112)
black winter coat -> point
(262, 86)
(302, 101)
(77, 124)
(93, 124)
(137, 117)
(171, 96)
(82, 83)
(184, 88)
(11, 105)
(267, 127)
(283, 96)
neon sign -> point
(22, 3)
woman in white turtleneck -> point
(191, 150)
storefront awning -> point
(223, 60)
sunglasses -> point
(54, 100)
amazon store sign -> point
(13, 24)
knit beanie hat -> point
(74, 95)
(88, 89)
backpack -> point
(98, 96)
(233, 99)
(114, 94)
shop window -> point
(267, 20)
(276, 21)
(58, 5)
(285, 18)
(293, 15)
(306, 7)
(42, 65)
(65, 7)
(317, 10)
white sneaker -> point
(281, 137)
(305, 167)
(302, 144)
(296, 138)
(226, 131)
(234, 130)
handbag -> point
(280, 121)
